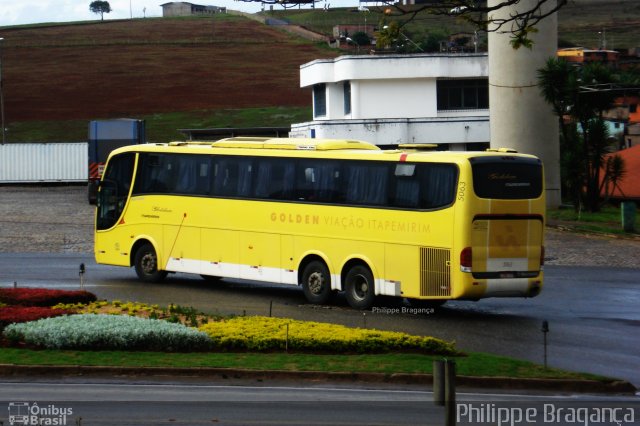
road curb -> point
(506, 383)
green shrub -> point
(269, 334)
(112, 332)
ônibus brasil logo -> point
(24, 413)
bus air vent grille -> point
(435, 274)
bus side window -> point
(407, 192)
(438, 183)
(304, 182)
(366, 184)
(232, 176)
(264, 178)
(203, 179)
(226, 179)
(406, 186)
(275, 179)
(168, 178)
(186, 174)
(326, 183)
(245, 174)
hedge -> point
(43, 296)
(108, 332)
(270, 334)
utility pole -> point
(603, 39)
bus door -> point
(113, 196)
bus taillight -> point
(466, 259)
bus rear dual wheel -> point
(146, 264)
(359, 285)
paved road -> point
(189, 404)
(165, 402)
(592, 311)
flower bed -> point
(108, 332)
(102, 325)
(17, 314)
(43, 296)
(269, 334)
(173, 313)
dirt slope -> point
(128, 68)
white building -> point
(182, 8)
(395, 99)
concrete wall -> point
(176, 9)
(458, 133)
(187, 9)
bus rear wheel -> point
(359, 287)
(316, 283)
(146, 264)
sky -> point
(18, 12)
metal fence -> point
(43, 162)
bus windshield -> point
(114, 190)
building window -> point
(320, 100)
(463, 94)
(347, 97)
(633, 108)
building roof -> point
(394, 67)
(629, 187)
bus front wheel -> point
(359, 287)
(316, 283)
(146, 264)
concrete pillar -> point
(520, 117)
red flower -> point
(11, 314)
(43, 296)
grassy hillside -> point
(579, 22)
(175, 73)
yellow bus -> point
(329, 216)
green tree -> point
(558, 82)
(361, 38)
(100, 7)
(432, 42)
(520, 25)
(579, 97)
(389, 34)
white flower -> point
(90, 331)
